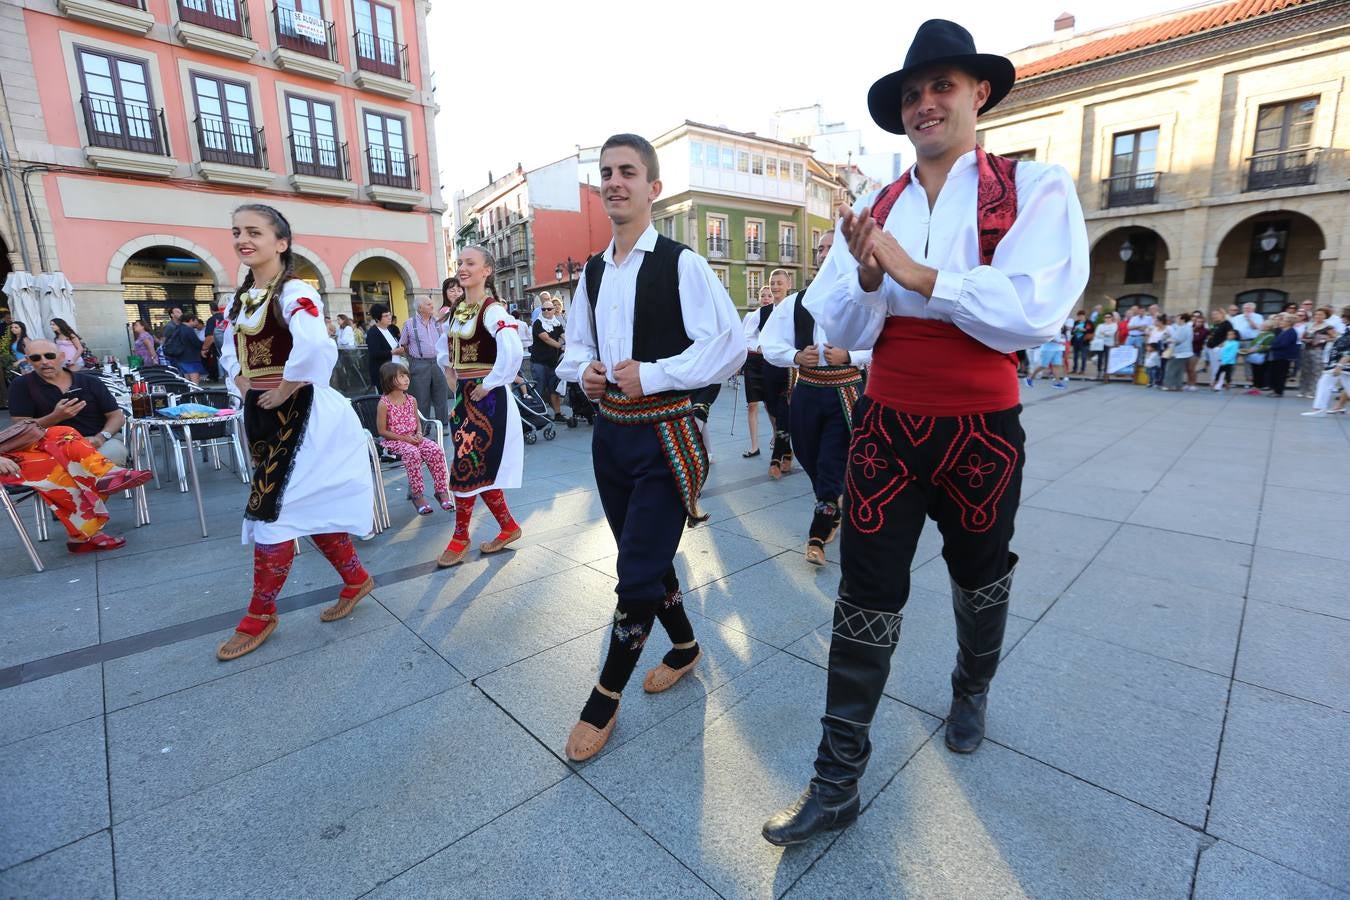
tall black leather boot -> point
(860, 661)
(981, 616)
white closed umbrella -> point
(56, 298)
(21, 289)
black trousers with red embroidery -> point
(964, 473)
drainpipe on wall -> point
(14, 203)
(32, 212)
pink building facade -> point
(140, 126)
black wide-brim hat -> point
(939, 43)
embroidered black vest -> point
(658, 321)
(803, 323)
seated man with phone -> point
(51, 395)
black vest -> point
(764, 315)
(658, 321)
(803, 323)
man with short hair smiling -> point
(944, 274)
(51, 395)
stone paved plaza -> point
(1170, 720)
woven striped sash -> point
(847, 380)
(672, 415)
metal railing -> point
(520, 257)
(229, 16)
(1130, 190)
(124, 126)
(381, 56)
(718, 246)
(317, 155)
(754, 249)
(301, 32)
(392, 168)
(787, 251)
(232, 144)
(1286, 168)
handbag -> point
(1169, 352)
(20, 436)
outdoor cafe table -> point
(140, 444)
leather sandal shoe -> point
(451, 556)
(663, 677)
(815, 552)
(586, 740)
(241, 642)
(965, 722)
(96, 543)
(347, 600)
(501, 541)
(809, 816)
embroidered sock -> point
(823, 521)
(271, 565)
(632, 627)
(599, 709)
(463, 516)
(496, 502)
(338, 550)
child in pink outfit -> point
(401, 434)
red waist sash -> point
(931, 368)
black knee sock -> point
(632, 626)
(599, 709)
(681, 631)
(824, 519)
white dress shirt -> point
(718, 347)
(1039, 269)
(778, 338)
(751, 327)
(346, 338)
(510, 352)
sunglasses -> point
(38, 357)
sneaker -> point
(1029, 382)
(1059, 385)
(1316, 413)
(1336, 412)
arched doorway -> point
(1267, 255)
(379, 280)
(1128, 263)
(156, 279)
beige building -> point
(1209, 147)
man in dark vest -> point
(949, 271)
(820, 409)
(650, 326)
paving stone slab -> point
(39, 622)
(50, 703)
(183, 664)
(1041, 577)
(590, 848)
(1227, 872)
(728, 763)
(480, 634)
(83, 869)
(582, 545)
(341, 816)
(1281, 789)
(775, 601)
(706, 555)
(997, 824)
(1188, 625)
(1103, 502)
(178, 744)
(1135, 724)
(1300, 580)
(1193, 560)
(53, 790)
(1194, 513)
(416, 598)
(1303, 654)
(545, 693)
(1299, 532)
(1061, 533)
(921, 667)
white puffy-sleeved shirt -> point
(709, 316)
(313, 353)
(1038, 272)
(505, 328)
(750, 324)
(778, 338)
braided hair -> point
(283, 232)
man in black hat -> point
(963, 261)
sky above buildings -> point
(528, 81)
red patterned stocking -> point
(463, 516)
(271, 565)
(496, 501)
(337, 549)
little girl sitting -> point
(401, 434)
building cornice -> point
(108, 14)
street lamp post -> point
(569, 271)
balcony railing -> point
(520, 258)
(754, 249)
(319, 156)
(1130, 190)
(232, 143)
(229, 16)
(304, 33)
(787, 251)
(381, 56)
(718, 246)
(1284, 169)
(124, 126)
(391, 168)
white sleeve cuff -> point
(653, 380)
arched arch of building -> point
(1165, 240)
(405, 268)
(1229, 221)
(326, 282)
(145, 241)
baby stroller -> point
(534, 413)
(580, 405)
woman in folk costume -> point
(481, 352)
(311, 475)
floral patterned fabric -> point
(63, 468)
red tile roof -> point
(1215, 16)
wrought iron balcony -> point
(123, 125)
(391, 168)
(787, 251)
(319, 156)
(229, 16)
(304, 33)
(754, 249)
(1284, 169)
(381, 56)
(1138, 189)
(718, 246)
(232, 144)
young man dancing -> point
(820, 410)
(650, 325)
(949, 271)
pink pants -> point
(413, 456)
